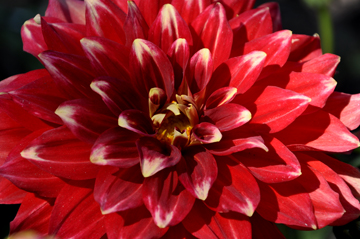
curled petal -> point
(228, 116)
(136, 121)
(155, 156)
(115, 147)
(118, 190)
(207, 133)
(166, 199)
(212, 31)
(201, 68)
(305, 48)
(220, 97)
(197, 171)
(167, 27)
(32, 37)
(151, 68)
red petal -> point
(167, 27)
(304, 48)
(9, 193)
(345, 107)
(67, 10)
(201, 68)
(105, 19)
(318, 87)
(286, 203)
(118, 190)
(325, 64)
(60, 153)
(319, 130)
(326, 202)
(206, 133)
(71, 73)
(249, 26)
(220, 97)
(63, 37)
(40, 98)
(269, 166)
(197, 171)
(234, 7)
(134, 223)
(116, 147)
(24, 120)
(150, 9)
(178, 232)
(151, 68)
(135, 25)
(276, 108)
(166, 199)
(189, 10)
(32, 38)
(34, 214)
(76, 214)
(204, 223)
(107, 57)
(275, 14)
(31, 178)
(179, 54)
(118, 95)
(235, 189)
(263, 229)
(276, 46)
(233, 144)
(17, 81)
(212, 31)
(228, 116)
(76, 114)
(136, 121)
(348, 201)
(155, 156)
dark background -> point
(296, 16)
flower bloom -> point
(175, 119)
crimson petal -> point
(76, 114)
(274, 10)
(167, 27)
(105, 19)
(234, 7)
(67, 10)
(227, 117)
(345, 107)
(116, 147)
(151, 68)
(166, 199)
(286, 203)
(150, 9)
(319, 130)
(9, 193)
(304, 48)
(133, 223)
(136, 121)
(118, 190)
(269, 166)
(135, 25)
(189, 10)
(204, 223)
(60, 153)
(76, 214)
(31, 35)
(235, 189)
(206, 133)
(263, 229)
(212, 31)
(32, 179)
(155, 156)
(197, 171)
(34, 214)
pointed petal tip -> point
(37, 19)
(29, 153)
(314, 227)
(97, 158)
(162, 222)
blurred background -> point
(336, 21)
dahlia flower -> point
(175, 119)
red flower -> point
(175, 119)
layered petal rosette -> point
(175, 119)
